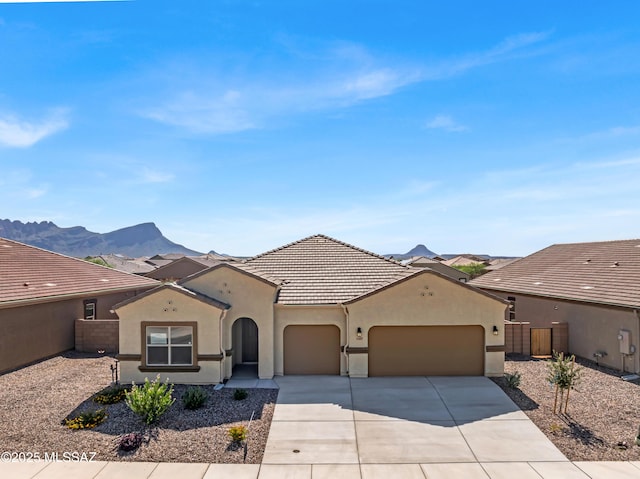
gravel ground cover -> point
(35, 399)
(602, 419)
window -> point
(169, 345)
(90, 308)
(512, 307)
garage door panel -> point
(426, 351)
(311, 349)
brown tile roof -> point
(30, 273)
(128, 265)
(605, 272)
(323, 270)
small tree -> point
(151, 400)
(473, 269)
(97, 260)
(565, 376)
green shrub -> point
(513, 380)
(151, 400)
(238, 433)
(111, 395)
(240, 394)
(86, 420)
(194, 398)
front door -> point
(249, 341)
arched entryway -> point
(244, 337)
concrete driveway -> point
(405, 420)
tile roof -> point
(30, 273)
(128, 265)
(605, 272)
(323, 270)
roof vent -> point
(104, 280)
(25, 283)
(538, 283)
(615, 263)
(50, 284)
(586, 287)
(587, 262)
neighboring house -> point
(126, 264)
(181, 268)
(594, 287)
(465, 260)
(424, 262)
(315, 306)
(43, 293)
(497, 263)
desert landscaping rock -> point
(35, 399)
(603, 411)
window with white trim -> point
(90, 308)
(169, 345)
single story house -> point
(43, 293)
(315, 306)
(593, 287)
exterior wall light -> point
(359, 332)
(495, 330)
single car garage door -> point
(311, 349)
(426, 351)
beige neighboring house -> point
(43, 293)
(315, 306)
(594, 287)
(424, 262)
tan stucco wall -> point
(249, 297)
(591, 327)
(32, 332)
(427, 299)
(286, 315)
(168, 305)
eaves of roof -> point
(419, 272)
(178, 289)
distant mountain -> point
(140, 240)
(418, 250)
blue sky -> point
(239, 126)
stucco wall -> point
(286, 315)
(167, 305)
(249, 297)
(33, 332)
(591, 327)
(427, 299)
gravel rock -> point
(35, 399)
(603, 414)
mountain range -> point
(140, 240)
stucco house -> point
(315, 306)
(593, 287)
(42, 294)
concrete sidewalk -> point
(488, 470)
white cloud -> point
(18, 133)
(445, 122)
(153, 176)
(203, 100)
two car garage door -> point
(393, 350)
